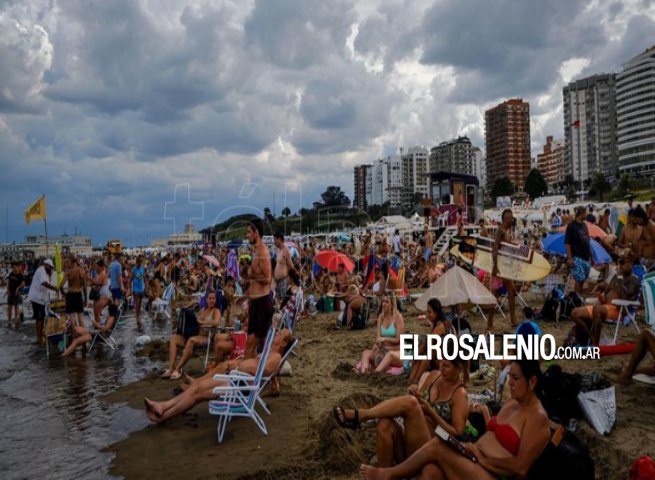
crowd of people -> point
(221, 291)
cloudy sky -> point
(133, 116)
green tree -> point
(571, 194)
(535, 185)
(286, 211)
(334, 197)
(625, 185)
(503, 186)
(600, 185)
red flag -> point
(576, 124)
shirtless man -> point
(283, 264)
(429, 243)
(503, 235)
(75, 276)
(483, 229)
(604, 222)
(623, 286)
(631, 234)
(261, 307)
(647, 241)
(651, 210)
(427, 208)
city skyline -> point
(264, 104)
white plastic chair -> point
(107, 338)
(162, 304)
(241, 394)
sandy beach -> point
(303, 439)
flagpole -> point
(45, 225)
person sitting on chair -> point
(189, 338)
(623, 286)
(82, 335)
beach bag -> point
(239, 339)
(188, 327)
(643, 469)
(558, 392)
(571, 301)
(564, 459)
(358, 322)
(549, 311)
(599, 409)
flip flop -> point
(350, 423)
(167, 373)
(176, 375)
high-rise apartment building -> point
(551, 162)
(590, 126)
(507, 135)
(359, 202)
(385, 180)
(414, 170)
(635, 107)
(480, 167)
(456, 155)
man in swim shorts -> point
(261, 310)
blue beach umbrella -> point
(554, 244)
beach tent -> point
(454, 287)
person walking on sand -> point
(503, 235)
(578, 248)
(261, 311)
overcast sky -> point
(106, 106)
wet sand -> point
(303, 439)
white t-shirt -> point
(38, 293)
(396, 243)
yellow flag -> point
(36, 211)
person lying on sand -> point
(440, 400)
(202, 389)
(513, 440)
(386, 351)
(645, 344)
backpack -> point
(571, 301)
(558, 392)
(568, 460)
(549, 311)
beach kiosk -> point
(451, 192)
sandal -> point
(167, 373)
(176, 375)
(351, 423)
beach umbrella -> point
(594, 230)
(293, 249)
(212, 260)
(554, 244)
(331, 259)
(454, 287)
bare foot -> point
(152, 407)
(371, 473)
(153, 417)
(188, 378)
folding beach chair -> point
(290, 318)
(241, 394)
(648, 292)
(266, 380)
(55, 328)
(162, 305)
(107, 338)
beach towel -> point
(648, 286)
(599, 409)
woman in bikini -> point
(208, 317)
(513, 440)
(385, 352)
(440, 400)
